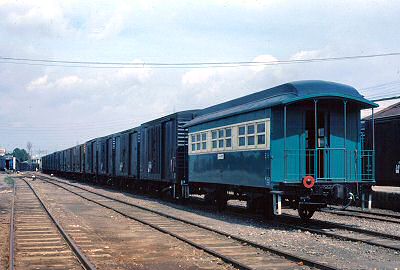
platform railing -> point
(329, 165)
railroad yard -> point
(107, 229)
(240, 134)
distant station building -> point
(8, 163)
(387, 144)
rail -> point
(289, 256)
(85, 262)
(12, 229)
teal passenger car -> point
(297, 144)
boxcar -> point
(121, 154)
(82, 158)
(298, 142)
(76, 159)
(69, 160)
(387, 134)
(163, 151)
(102, 156)
(62, 161)
(91, 157)
(122, 151)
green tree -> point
(21, 154)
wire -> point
(98, 64)
(385, 99)
(382, 85)
(383, 92)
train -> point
(295, 145)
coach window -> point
(198, 142)
(260, 133)
(242, 136)
(250, 135)
(214, 139)
(204, 141)
(228, 137)
(198, 146)
(221, 138)
(193, 139)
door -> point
(317, 144)
(118, 161)
(133, 154)
(168, 150)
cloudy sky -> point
(55, 107)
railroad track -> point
(386, 217)
(341, 231)
(37, 241)
(239, 252)
(330, 229)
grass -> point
(9, 180)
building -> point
(8, 163)
(387, 144)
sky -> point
(55, 107)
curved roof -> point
(279, 95)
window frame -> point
(195, 145)
(234, 137)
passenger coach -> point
(296, 144)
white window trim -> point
(234, 138)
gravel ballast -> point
(342, 254)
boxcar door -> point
(133, 161)
(109, 158)
(94, 157)
(125, 154)
(118, 161)
(168, 150)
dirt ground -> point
(112, 241)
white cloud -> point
(312, 54)
(141, 73)
(45, 18)
(38, 83)
(43, 82)
(154, 31)
(248, 4)
(111, 22)
(68, 81)
(262, 58)
(199, 76)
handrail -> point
(337, 163)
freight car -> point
(163, 153)
(387, 144)
(297, 145)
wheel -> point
(267, 207)
(221, 200)
(305, 213)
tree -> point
(21, 154)
(29, 147)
